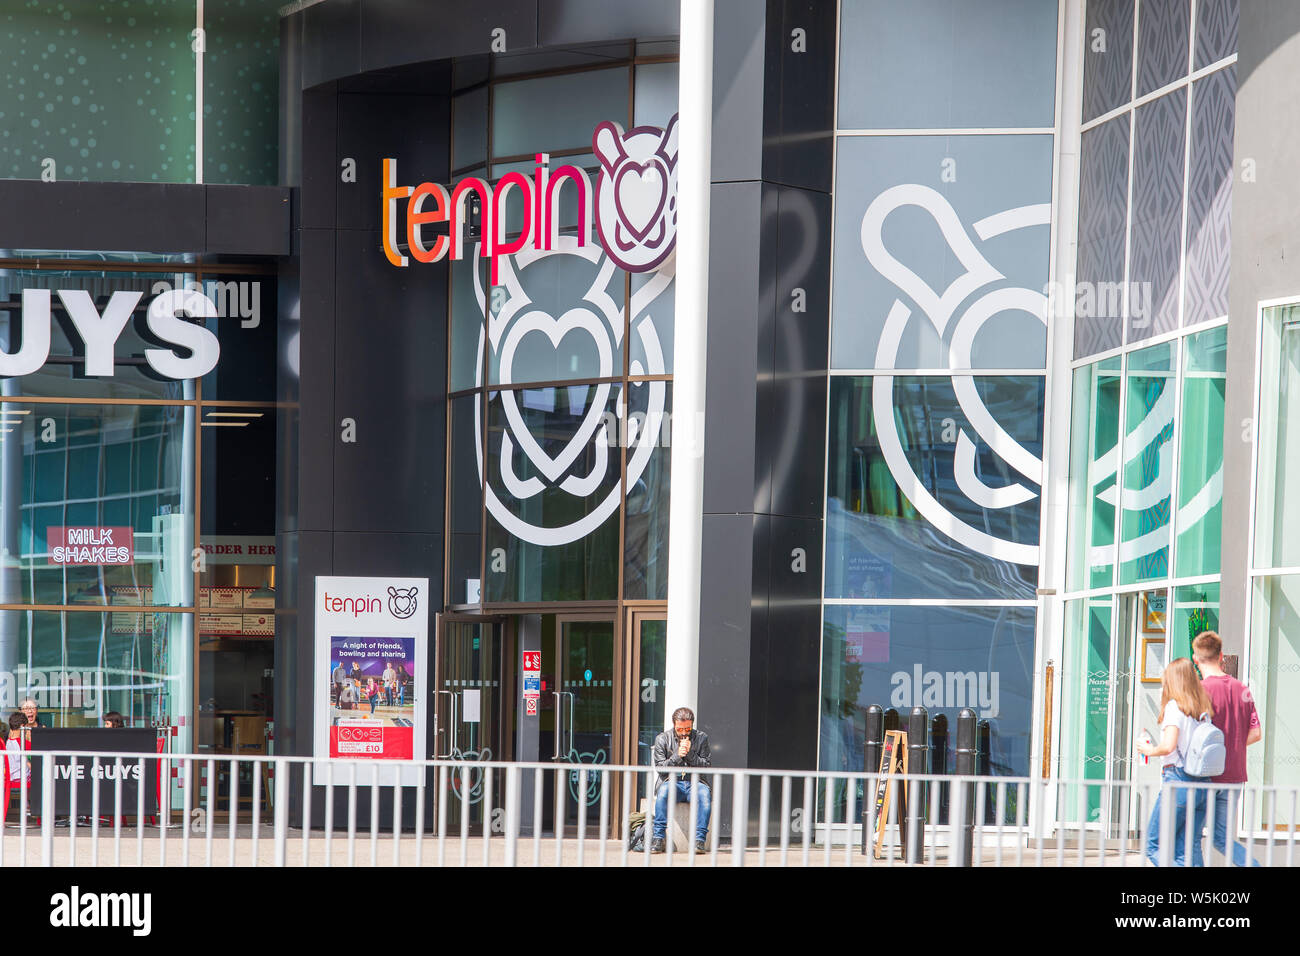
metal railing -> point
(168, 810)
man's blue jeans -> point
(683, 799)
(1221, 815)
(1180, 795)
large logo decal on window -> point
(939, 307)
(585, 462)
(636, 195)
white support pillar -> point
(686, 506)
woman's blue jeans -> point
(1181, 796)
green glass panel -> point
(1200, 458)
(1147, 471)
(1094, 440)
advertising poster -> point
(370, 676)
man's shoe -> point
(656, 846)
(701, 846)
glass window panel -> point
(83, 518)
(564, 322)
(1209, 197)
(241, 92)
(553, 494)
(1147, 469)
(878, 542)
(1155, 249)
(1108, 63)
(1163, 34)
(1274, 679)
(651, 712)
(105, 89)
(1086, 681)
(466, 489)
(556, 112)
(1216, 30)
(246, 331)
(1196, 610)
(1103, 220)
(997, 173)
(466, 569)
(645, 572)
(656, 94)
(466, 321)
(469, 133)
(239, 455)
(947, 63)
(941, 658)
(78, 665)
(654, 312)
(1200, 469)
(1277, 503)
(1094, 440)
(568, 202)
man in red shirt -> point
(1234, 714)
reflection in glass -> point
(941, 658)
(1085, 702)
(91, 477)
(80, 665)
(1200, 469)
(1196, 609)
(555, 112)
(1277, 492)
(651, 712)
(877, 542)
(1094, 439)
(645, 572)
(1147, 468)
(1274, 680)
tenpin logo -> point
(75, 909)
(636, 196)
(401, 601)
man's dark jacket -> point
(665, 752)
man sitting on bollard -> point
(681, 747)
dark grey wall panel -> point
(391, 478)
(1264, 231)
(805, 134)
(802, 226)
(792, 662)
(144, 217)
(399, 555)
(725, 624)
(739, 35)
(414, 130)
(247, 220)
(732, 348)
(300, 558)
(330, 41)
(320, 159)
(763, 334)
(394, 32)
(317, 429)
(594, 21)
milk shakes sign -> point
(370, 677)
(193, 349)
(634, 205)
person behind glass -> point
(1235, 715)
(1182, 701)
(683, 746)
(114, 720)
(28, 707)
(372, 692)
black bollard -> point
(984, 763)
(918, 753)
(965, 765)
(939, 763)
(872, 752)
(892, 721)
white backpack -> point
(1205, 755)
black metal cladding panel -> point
(394, 32)
(807, 82)
(738, 91)
(593, 21)
(247, 220)
(317, 426)
(331, 45)
(144, 217)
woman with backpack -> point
(1183, 705)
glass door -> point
(469, 709)
(586, 700)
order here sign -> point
(89, 545)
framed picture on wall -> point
(1153, 659)
(1153, 614)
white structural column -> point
(686, 502)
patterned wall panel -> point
(1209, 196)
(1163, 28)
(1108, 52)
(1154, 256)
(1216, 30)
(1103, 199)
